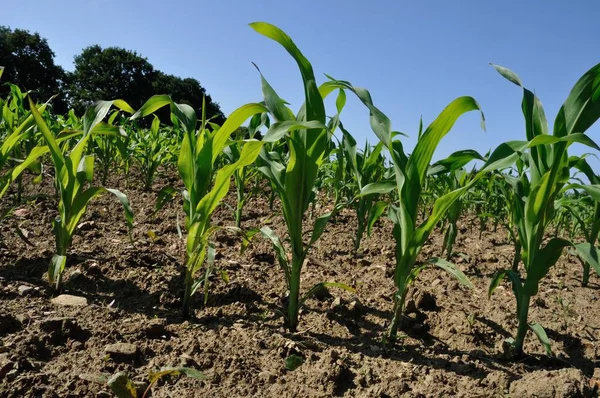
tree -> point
(113, 72)
(188, 91)
(29, 63)
(110, 73)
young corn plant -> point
(73, 172)
(588, 223)
(151, 149)
(410, 179)
(293, 175)
(205, 186)
(536, 190)
(452, 176)
(364, 168)
(244, 174)
(105, 150)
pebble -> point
(123, 350)
(267, 377)
(69, 300)
(25, 290)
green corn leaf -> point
(589, 254)
(546, 258)
(186, 115)
(423, 152)
(293, 362)
(375, 214)
(86, 168)
(152, 105)
(582, 107)
(222, 182)
(165, 195)
(539, 331)
(122, 386)
(571, 138)
(279, 129)
(280, 250)
(440, 208)
(451, 269)
(324, 285)
(12, 175)
(153, 377)
(315, 109)
(235, 120)
(273, 102)
(57, 265)
(453, 162)
(381, 187)
(57, 156)
(81, 201)
(495, 281)
(592, 189)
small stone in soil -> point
(69, 300)
(125, 351)
(25, 290)
(267, 377)
(363, 262)
(356, 308)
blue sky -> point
(414, 57)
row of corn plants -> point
(299, 155)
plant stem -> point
(293, 303)
(523, 325)
(187, 293)
(240, 207)
(397, 319)
(586, 274)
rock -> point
(491, 258)
(155, 328)
(69, 300)
(122, 351)
(557, 383)
(267, 377)
(6, 366)
(22, 318)
(337, 304)
(25, 290)
(363, 262)
(75, 274)
(22, 212)
(427, 302)
(356, 308)
(86, 225)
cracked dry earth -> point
(125, 314)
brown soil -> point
(451, 345)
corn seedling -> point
(200, 149)
(293, 175)
(548, 171)
(244, 174)
(73, 172)
(590, 224)
(364, 168)
(151, 148)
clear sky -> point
(414, 56)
